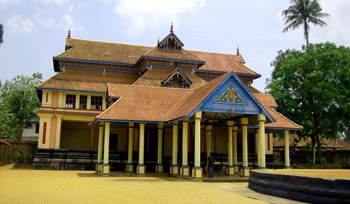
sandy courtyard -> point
(43, 186)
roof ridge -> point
(158, 87)
(280, 114)
(96, 41)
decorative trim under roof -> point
(177, 71)
(169, 36)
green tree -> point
(312, 89)
(18, 103)
(1, 34)
(302, 13)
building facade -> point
(161, 108)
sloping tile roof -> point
(86, 80)
(157, 75)
(130, 54)
(103, 51)
(281, 122)
(141, 103)
(266, 99)
(172, 54)
(223, 62)
(294, 140)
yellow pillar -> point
(100, 148)
(197, 171)
(230, 169)
(208, 130)
(258, 146)
(130, 166)
(185, 169)
(286, 149)
(235, 161)
(174, 169)
(141, 168)
(245, 168)
(262, 119)
(58, 131)
(106, 166)
(159, 166)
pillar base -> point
(106, 170)
(287, 167)
(230, 170)
(174, 170)
(245, 172)
(141, 169)
(129, 168)
(236, 169)
(159, 168)
(98, 168)
(197, 173)
(185, 171)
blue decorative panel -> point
(230, 96)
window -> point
(70, 101)
(96, 102)
(83, 102)
(37, 128)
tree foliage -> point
(302, 13)
(1, 34)
(18, 103)
(312, 88)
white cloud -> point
(20, 24)
(141, 14)
(7, 2)
(58, 2)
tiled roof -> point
(157, 75)
(294, 140)
(142, 103)
(103, 51)
(86, 80)
(130, 54)
(266, 99)
(281, 121)
(182, 54)
(223, 63)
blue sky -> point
(35, 30)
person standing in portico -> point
(211, 161)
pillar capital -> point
(198, 115)
(235, 128)
(175, 123)
(262, 118)
(160, 125)
(131, 125)
(244, 121)
(208, 127)
(186, 121)
(101, 123)
(230, 123)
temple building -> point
(142, 109)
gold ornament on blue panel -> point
(230, 96)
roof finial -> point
(68, 33)
(158, 41)
(171, 27)
(237, 49)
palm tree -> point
(303, 12)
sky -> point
(35, 30)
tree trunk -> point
(313, 150)
(319, 149)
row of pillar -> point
(184, 170)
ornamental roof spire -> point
(237, 49)
(68, 33)
(171, 28)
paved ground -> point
(42, 186)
